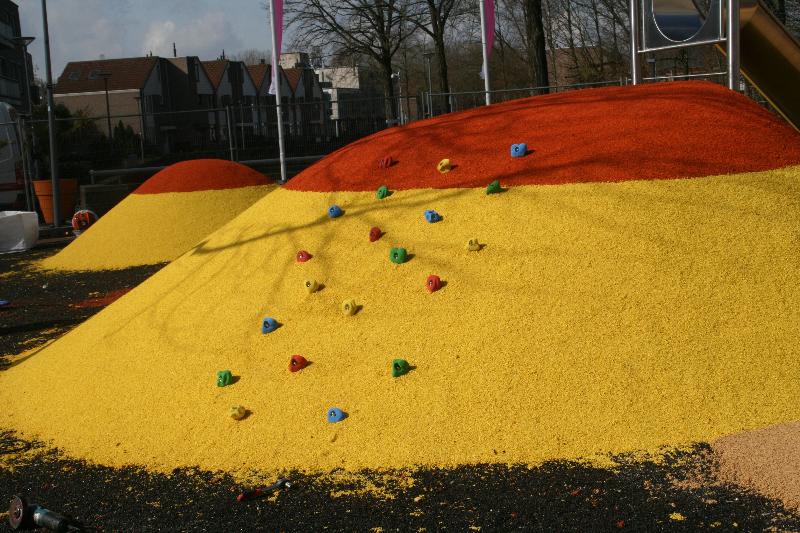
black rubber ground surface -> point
(42, 303)
(677, 494)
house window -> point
(75, 75)
(196, 71)
(95, 74)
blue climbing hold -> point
(336, 415)
(519, 150)
(334, 211)
(269, 325)
(432, 216)
(4, 303)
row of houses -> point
(180, 100)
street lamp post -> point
(105, 76)
(428, 56)
(24, 42)
(141, 125)
(486, 83)
(51, 120)
(396, 76)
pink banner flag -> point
(277, 26)
(488, 18)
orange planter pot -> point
(67, 192)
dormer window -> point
(75, 75)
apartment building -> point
(15, 89)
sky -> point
(87, 29)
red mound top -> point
(201, 175)
(664, 130)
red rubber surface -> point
(654, 131)
(201, 175)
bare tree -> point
(526, 33)
(433, 17)
(374, 28)
(534, 43)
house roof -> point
(293, 76)
(259, 73)
(215, 70)
(125, 73)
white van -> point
(12, 181)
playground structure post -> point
(636, 72)
(732, 44)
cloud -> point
(79, 29)
(86, 29)
(205, 36)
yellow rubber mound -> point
(145, 229)
(598, 317)
(167, 215)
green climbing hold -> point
(383, 192)
(224, 378)
(400, 367)
(494, 187)
(398, 255)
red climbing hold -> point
(386, 162)
(303, 256)
(375, 234)
(297, 362)
(433, 283)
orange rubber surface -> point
(202, 175)
(655, 131)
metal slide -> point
(770, 59)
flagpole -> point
(485, 52)
(276, 83)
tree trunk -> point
(537, 55)
(552, 43)
(437, 34)
(571, 42)
(444, 83)
(602, 62)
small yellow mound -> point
(146, 229)
(603, 317)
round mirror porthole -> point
(679, 20)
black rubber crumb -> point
(557, 496)
(40, 301)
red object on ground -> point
(202, 175)
(102, 301)
(297, 362)
(385, 162)
(83, 219)
(433, 283)
(303, 256)
(651, 131)
(375, 234)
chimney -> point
(263, 61)
(174, 50)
